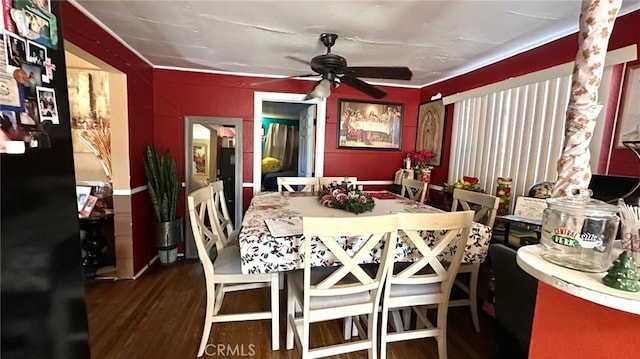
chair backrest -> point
(220, 213)
(486, 205)
(454, 227)
(515, 294)
(416, 190)
(327, 181)
(364, 233)
(309, 184)
(200, 206)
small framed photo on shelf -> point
(82, 194)
(200, 158)
(88, 206)
(370, 125)
(430, 131)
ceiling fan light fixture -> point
(323, 89)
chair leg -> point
(406, 318)
(442, 336)
(275, 312)
(473, 296)
(372, 332)
(384, 328)
(348, 327)
(281, 280)
(208, 316)
(397, 322)
(290, 314)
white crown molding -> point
(109, 31)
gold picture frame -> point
(200, 158)
(370, 125)
(430, 130)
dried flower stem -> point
(99, 141)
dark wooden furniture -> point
(95, 241)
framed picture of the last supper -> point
(370, 125)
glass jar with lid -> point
(578, 232)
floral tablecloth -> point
(262, 253)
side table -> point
(94, 243)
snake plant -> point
(163, 184)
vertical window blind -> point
(517, 133)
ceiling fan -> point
(333, 70)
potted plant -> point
(163, 186)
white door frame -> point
(258, 98)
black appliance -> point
(609, 188)
(42, 293)
(228, 177)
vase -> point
(423, 174)
(503, 191)
(167, 236)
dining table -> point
(262, 252)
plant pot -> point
(168, 256)
(167, 235)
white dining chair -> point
(327, 181)
(225, 274)
(228, 236)
(343, 290)
(414, 189)
(485, 207)
(425, 282)
(308, 184)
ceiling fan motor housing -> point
(329, 63)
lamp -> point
(322, 90)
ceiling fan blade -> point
(280, 79)
(362, 86)
(380, 72)
(298, 60)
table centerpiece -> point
(347, 197)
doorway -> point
(311, 145)
(112, 187)
(213, 152)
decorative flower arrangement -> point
(421, 159)
(347, 197)
(98, 139)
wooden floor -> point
(161, 315)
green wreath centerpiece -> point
(345, 196)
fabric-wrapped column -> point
(596, 22)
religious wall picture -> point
(430, 131)
(370, 125)
(200, 158)
(629, 121)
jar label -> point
(570, 238)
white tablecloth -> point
(262, 253)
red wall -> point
(626, 32)
(565, 326)
(180, 94)
(82, 32)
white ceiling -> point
(435, 39)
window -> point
(516, 132)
